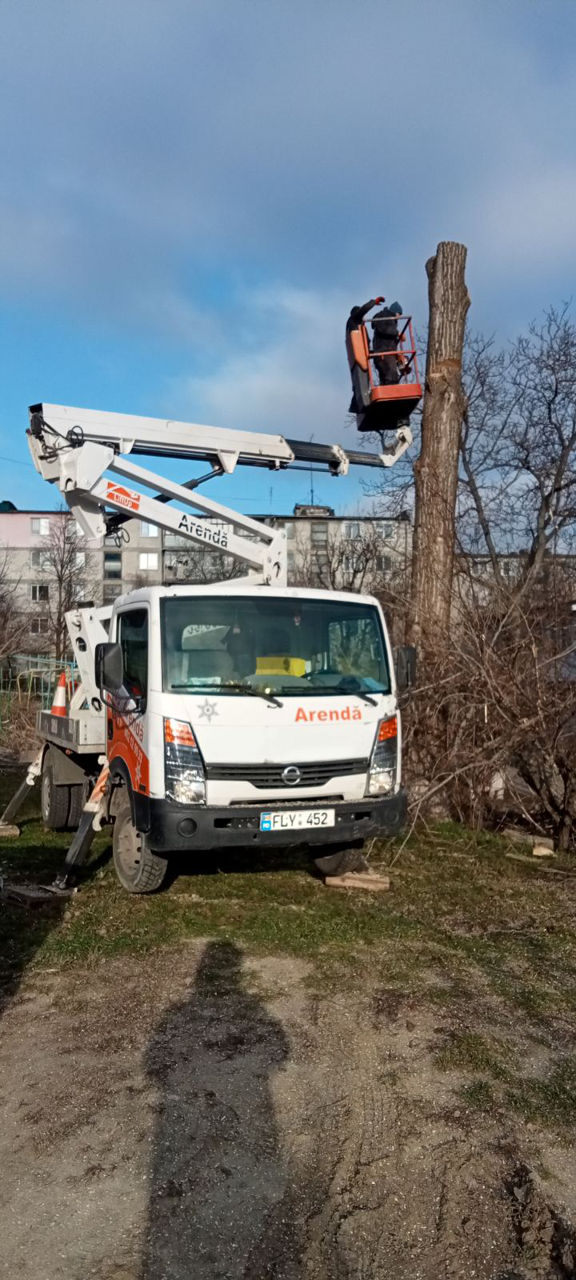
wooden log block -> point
(372, 883)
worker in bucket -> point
(385, 338)
(354, 320)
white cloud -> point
(148, 144)
(293, 379)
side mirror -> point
(109, 668)
(405, 662)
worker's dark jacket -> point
(385, 331)
(360, 383)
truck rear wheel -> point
(139, 870)
(54, 800)
(77, 798)
(342, 860)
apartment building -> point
(38, 559)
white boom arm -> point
(80, 450)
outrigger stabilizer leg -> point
(7, 825)
(77, 855)
(90, 823)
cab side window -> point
(133, 638)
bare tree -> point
(498, 695)
(361, 562)
(518, 446)
(201, 566)
(65, 562)
(436, 471)
(495, 713)
(14, 621)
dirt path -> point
(195, 1116)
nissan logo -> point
(291, 775)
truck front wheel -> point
(139, 870)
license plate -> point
(297, 819)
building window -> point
(39, 592)
(39, 626)
(290, 530)
(40, 559)
(509, 569)
(111, 591)
(353, 529)
(174, 539)
(80, 559)
(40, 525)
(319, 533)
(148, 561)
(148, 530)
(112, 564)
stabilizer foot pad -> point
(8, 830)
(32, 895)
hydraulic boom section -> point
(83, 451)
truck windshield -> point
(288, 647)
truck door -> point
(127, 719)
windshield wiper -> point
(367, 697)
(319, 689)
(222, 688)
(254, 693)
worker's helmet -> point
(395, 309)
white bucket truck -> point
(236, 714)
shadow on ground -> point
(35, 857)
(242, 860)
(218, 1174)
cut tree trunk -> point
(436, 470)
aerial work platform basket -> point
(386, 382)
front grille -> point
(269, 776)
(258, 805)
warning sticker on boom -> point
(123, 497)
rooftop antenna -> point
(311, 478)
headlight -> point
(184, 776)
(384, 763)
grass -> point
(479, 1095)
(456, 906)
(487, 941)
(550, 1100)
(471, 1051)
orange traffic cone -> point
(58, 707)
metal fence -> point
(28, 679)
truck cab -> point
(240, 715)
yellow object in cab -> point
(280, 665)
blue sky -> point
(196, 191)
